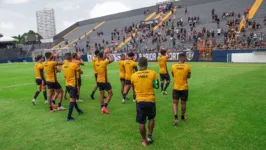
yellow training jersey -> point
(122, 69)
(180, 72)
(162, 61)
(50, 69)
(70, 71)
(129, 68)
(78, 62)
(94, 59)
(101, 70)
(143, 85)
(38, 67)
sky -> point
(19, 16)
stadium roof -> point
(7, 39)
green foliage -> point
(225, 110)
(21, 38)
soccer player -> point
(164, 75)
(51, 81)
(70, 72)
(57, 70)
(65, 62)
(102, 79)
(122, 72)
(130, 66)
(95, 59)
(40, 80)
(181, 73)
(143, 82)
(78, 60)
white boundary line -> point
(18, 85)
(11, 86)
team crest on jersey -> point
(189, 55)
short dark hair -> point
(100, 54)
(143, 62)
(131, 54)
(96, 52)
(48, 54)
(122, 55)
(74, 55)
(39, 57)
(67, 55)
(163, 52)
(181, 55)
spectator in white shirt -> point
(219, 31)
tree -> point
(21, 38)
(1, 35)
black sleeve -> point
(158, 86)
(136, 68)
(189, 75)
(42, 74)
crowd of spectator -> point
(176, 31)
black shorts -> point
(53, 85)
(79, 81)
(39, 82)
(183, 95)
(104, 86)
(165, 77)
(127, 82)
(122, 80)
(145, 110)
(96, 76)
(73, 91)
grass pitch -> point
(226, 110)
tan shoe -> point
(61, 108)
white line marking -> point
(16, 85)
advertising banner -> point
(152, 57)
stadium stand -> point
(215, 25)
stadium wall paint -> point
(221, 55)
(258, 57)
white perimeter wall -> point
(259, 57)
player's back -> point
(180, 72)
(101, 70)
(162, 61)
(50, 69)
(94, 60)
(143, 85)
(38, 67)
(121, 68)
(70, 72)
(78, 62)
(129, 68)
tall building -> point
(46, 23)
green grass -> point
(226, 110)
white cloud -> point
(9, 14)
(107, 8)
(15, 1)
(66, 24)
(63, 5)
(7, 25)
